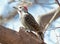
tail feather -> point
(41, 35)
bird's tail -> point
(41, 35)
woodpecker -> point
(29, 21)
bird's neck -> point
(22, 14)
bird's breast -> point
(23, 21)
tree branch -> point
(44, 19)
(9, 36)
(57, 2)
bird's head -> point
(22, 8)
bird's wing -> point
(31, 22)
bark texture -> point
(8, 36)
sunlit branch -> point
(57, 2)
(57, 11)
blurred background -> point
(10, 18)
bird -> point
(29, 21)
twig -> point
(57, 11)
(57, 2)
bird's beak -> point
(15, 7)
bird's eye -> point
(20, 7)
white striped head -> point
(22, 8)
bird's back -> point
(31, 22)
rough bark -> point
(8, 36)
